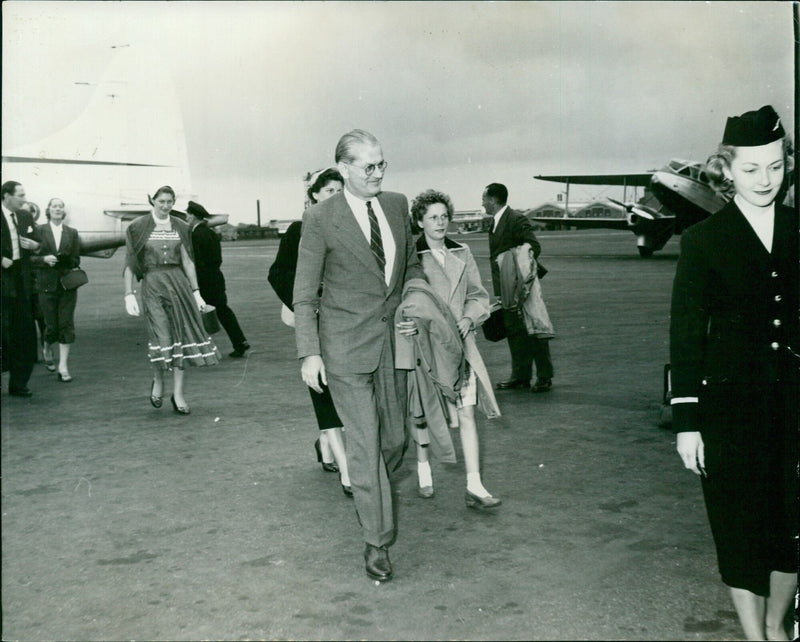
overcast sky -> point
(460, 93)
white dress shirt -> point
(359, 208)
(13, 233)
(57, 229)
(762, 220)
(497, 217)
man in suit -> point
(18, 238)
(511, 229)
(359, 244)
(207, 261)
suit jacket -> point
(26, 228)
(734, 310)
(207, 261)
(513, 229)
(356, 304)
(48, 279)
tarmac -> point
(123, 522)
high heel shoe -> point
(474, 501)
(181, 410)
(347, 490)
(331, 467)
(155, 401)
(65, 377)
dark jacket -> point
(48, 279)
(514, 229)
(207, 261)
(282, 271)
(8, 285)
(734, 311)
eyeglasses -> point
(369, 170)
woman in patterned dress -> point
(159, 254)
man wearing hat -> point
(735, 354)
(207, 260)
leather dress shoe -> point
(474, 501)
(238, 351)
(426, 492)
(328, 467)
(512, 383)
(20, 392)
(378, 566)
(542, 385)
(347, 490)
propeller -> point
(633, 209)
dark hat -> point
(195, 209)
(753, 128)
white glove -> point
(201, 305)
(131, 305)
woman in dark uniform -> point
(733, 347)
(321, 185)
(159, 253)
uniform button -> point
(774, 274)
(778, 297)
(419, 363)
(776, 323)
(383, 319)
(774, 345)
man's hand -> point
(313, 372)
(7, 262)
(464, 327)
(407, 328)
(50, 259)
(28, 244)
(692, 452)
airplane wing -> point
(637, 180)
(585, 223)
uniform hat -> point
(753, 128)
(195, 209)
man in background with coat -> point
(207, 261)
(510, 229)
(18, 238)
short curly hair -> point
(423, 201)
(725, 155)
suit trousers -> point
(525, 350)
(372, 410)
(18, 334)
(58, 310)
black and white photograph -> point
(399, 320)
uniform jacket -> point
(48, 279)
(435, 355)
(459, 285)
(356, 304)
(138, 233)
(282, 271)
(734, 310)
(513, 229)
(207, 261)
(26, 228)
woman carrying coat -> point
(453, 275)
(734, 344)
(59, 253)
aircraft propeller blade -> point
(633, 209)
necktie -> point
(14, 219)
(375, 242)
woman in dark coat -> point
(734, 341)
(59, 253)
(159, 253)
(329, 447)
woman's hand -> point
(50, 259)
(692, 452)
(407, 328)
(201, 305)
(464, 327)
(131, 305)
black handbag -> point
(74, 279)
(494, 328)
